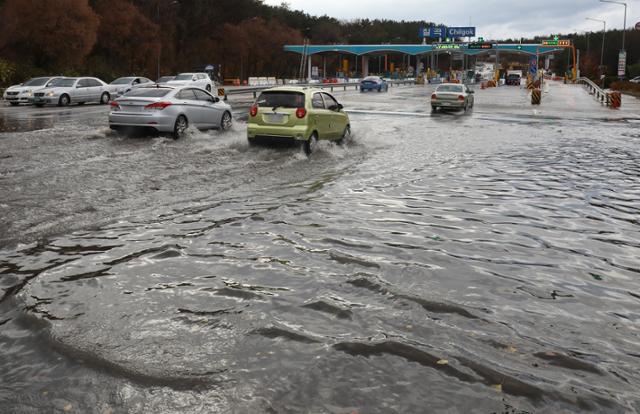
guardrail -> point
(234, 90)
(601, 95)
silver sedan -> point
(65, 91)
(452, 96)
(168, 109)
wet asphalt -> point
(452, 262)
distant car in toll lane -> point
(65, 91)
(373, 83)
(512, 79)
(23, 93)
(123, 85)
(169, 109)
(452, 96)
(198, 80)
(297, 114)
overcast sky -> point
(494, 19)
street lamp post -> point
(160, 48)
(624, 27)
(604, 31)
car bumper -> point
(44, 100)
(17, 98)
(297, 133)
(157, 121)
(448, 104)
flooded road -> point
(482, 262)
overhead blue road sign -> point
(461, 32)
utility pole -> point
(604, 31)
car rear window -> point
(149, 92)
(281, 99)
(449, 88)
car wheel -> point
(346, 135)
(64, 100)
(310, 144)
(380, 89)
(105, 98)
(434, 108)
(226, 122)
(180, 127)
(466, 106)
(208, 88)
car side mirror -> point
(216, 99)
(472, 91)
(339, 107)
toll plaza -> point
(365, 59)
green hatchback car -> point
(297, 114)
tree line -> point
(110, 38)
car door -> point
(190, 106)
(338, 118)
(95, 90)
(81, 91)
(320, 116)
(210, 111)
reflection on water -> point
(484, 270)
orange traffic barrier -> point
(615, 100)
(536, 96)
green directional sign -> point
(481, 40)
(556, 38)
(442, 46)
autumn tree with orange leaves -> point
(127, 38)
(57, 35)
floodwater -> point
(483, 262)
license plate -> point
(446, 104)
(275, 118)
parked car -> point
(297, 114)
(198, 80)
(165, 79)
(512, 79)
(65, 91)
(169, 109)
(635, 80)
(374, 83)
(452, 95)
(18, 94)
(121, 86)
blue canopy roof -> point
(414, 50)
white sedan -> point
(198, 80)
(165, 108)
(121, 86)
(22, 93)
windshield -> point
(63, 82)
(449, 88)
(165, 78)
(184, 76)
(281, 99)
(149, 92)
(371, 79)
(36, 82)
(122, 81)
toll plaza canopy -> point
(416, 50)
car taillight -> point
(254, 110)
(301, 113)
(115, 106)
(460, 98)
(434, 96)
(158, 105)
